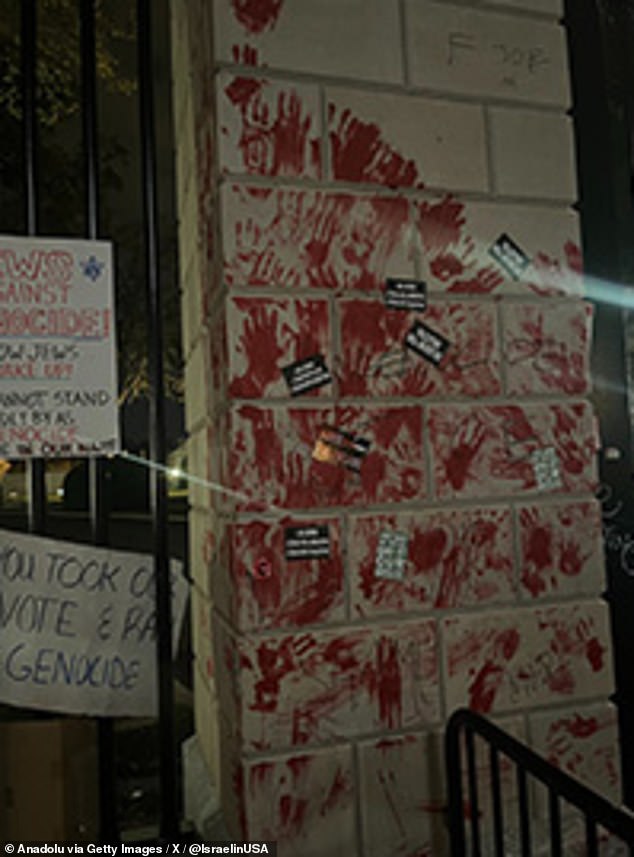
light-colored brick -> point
(375, 362)
(196, 381)
(268, 128)
(202, 639)
(547, 7)
(292, 237)
(584, 742)
(547, 347)
(561, 551)
(272, 458)
(315, 687)
(489, 451)
(271, 591)
(486, 54)
(456, 558)
(402, 796)
(533, 154)
(518, 658)
(305, 802)
(357, 39)
(456, 238)
(402, 141)
(202, 545)
(267, 335)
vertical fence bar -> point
(158, 484)
(496, 791)
(453, 764)
(554, 812)
(35, 466)
(474, 807)
(108, 828)
(592, 843)
(525, 827)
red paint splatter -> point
(453, 257)
(257, 16)
(338, 791)
(388, 678)
(538, 555)
(360, 154)
(574, 257)
(242, 90)
(561, 680)
(292, 812)
(594, 653)
(267, 453)
(259, 344)
(441, 224)
(274, 664)
(273, 141)
(485, 685)
(581, 727)
(244, 55)
(459, 461)
(299, 766)
(260, 773)
(571, 561)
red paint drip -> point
(339, 791)
(257, 16)
(292, 812)
(360, 154)
(486, 684)
(389, 683)
(594, 653)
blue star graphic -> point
(92, 268)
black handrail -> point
(561, 787)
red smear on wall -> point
(260, 346)
(273, 139)
(338, 791)
(274, 664)
(292, 812)
(485, 685)
(595, 652)
(360, 154)
(388, 683)
(257, 16)
(452, 256)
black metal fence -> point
(148, 229)
(471, 835)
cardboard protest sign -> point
(58, 379)
(77, 627)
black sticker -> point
(406, 294)
(307, 374)
(511, 257)
(307, 542)
(426, 342)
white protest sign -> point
(58, 377)
(77, 627)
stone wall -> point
(324, 146)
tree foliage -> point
(61, 166)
